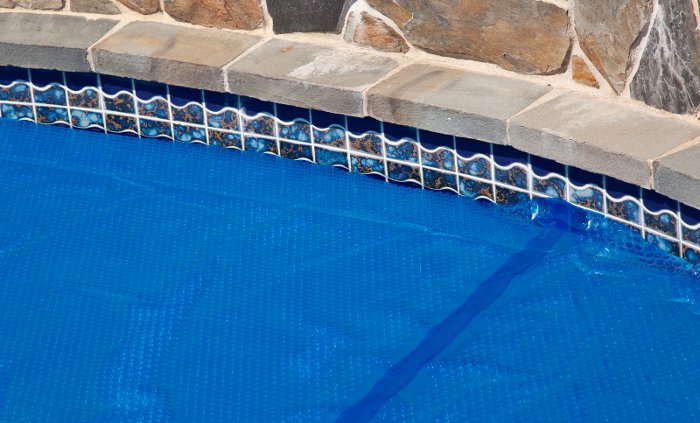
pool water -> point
(151, 281)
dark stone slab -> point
(669, 73)
(308, 15)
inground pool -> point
(151, 281)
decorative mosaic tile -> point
(120, 123)
(17, 111)
(296, 151)
(434, 179)
(366, 165)
(475, 166)
(87, 99)
(691, 254)
(225, 119)
(54, 94)
(664, 223)
(261, 125)
(515, 176)
(553, 186)
(260, 145)
(156, 107)
(123, 103)
(397, 133)
(441, 158)
(86, 119)
(45, 114)
(155, 128)
(368, 143)
(663, 243)
(295, 131)
(331, 158)
(403, 172)
(20, 92)
(691, 235)
(510, 196)
(186, 133)
(473, 189)
(588, 197)
(691, 224)
(406, 151)
(192, 113)
(333, 136)
(225, 139)
(624, 209)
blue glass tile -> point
(692, 255)
(369, 143)
(260, 145)
(324, 120)
(192, 113)
(434, 179)
(691, 217)
(54, 94)
(88, 99)
(290, 113)
(626, 210)
(156, 107)
(46, 114)
(85, 119)
(155, 128)
(515, 176)
(509, 196)
(17, 112)
(618, 189)
(366, 164)
(20, 92)
(663, 243)
(297, 131)
(664, 223)
(656, 202)
(394, 132)
(146, 90)
(473, 189)
(123, 103)
(553, 187)
(504, 155)
(113, 84)
(120, 123)
(43, 77)
(403, 172)
(360, 126)
(333, 136)
(442, 158)
(591, 198)
(432, 140)
(261, 125)
(227, 119)
(479, 167)
(76, 81)
(406, 151)
(10, 74)
(181, 96)
(543, 167)
(331, 158)
(218, 101)
(467, 147)
(295, 151)
(187, 133)
(225, 139)
(581, 177)
(253, 106)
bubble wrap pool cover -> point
(149, 281)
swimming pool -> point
(152, 281)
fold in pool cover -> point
(151, 281)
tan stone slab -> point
(452, 101)
(678, 175)
(307, 75)
(49, 41)
(171, 54)
(600, 136)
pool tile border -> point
(395, 153)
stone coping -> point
(626, 141)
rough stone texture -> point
(608, 30)
(34, 4)
(307, 15)
(366, 30)
(599, 136)
(308, 75)
(452, 101)
(104, 7)
(171, 54)
(669, 73)
(581, 73)
(145, 7)
(49, 41)
(677, 175)
(523, 36)
(229, 14)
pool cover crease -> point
(147, 281)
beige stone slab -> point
(49, 41)
(600, 136)
(452, 101)
(678, 175)
(332, 79)
(171, 54)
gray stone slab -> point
(308, 75)
(678, 175)
(307, 15)
(49, 41)
(599, 136)
(171, 54)
(452, 101)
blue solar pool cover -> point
(150, 281)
